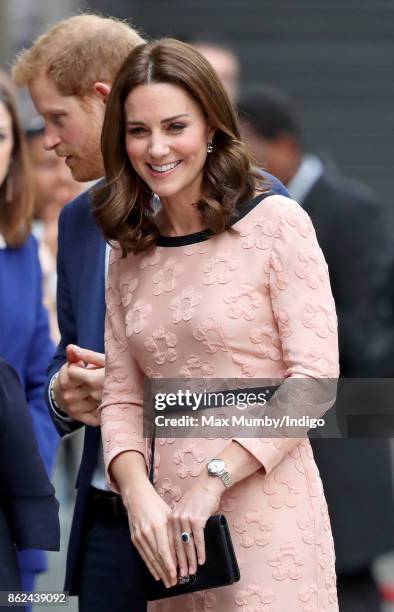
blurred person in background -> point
(223, 60)
(24, 339)
(102, 565)
(54, 187)
(28, 508)
(352, 230)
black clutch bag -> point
(220, 568)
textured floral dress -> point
(254, 304)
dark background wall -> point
(336, 57)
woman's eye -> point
(176, 127)
(137, 131)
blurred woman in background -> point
(24, 333)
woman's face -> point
(6, 141)
(166, 140)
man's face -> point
(72, 127)
(54, 184)
(226, 66)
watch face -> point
(216, 466)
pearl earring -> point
(209, 147)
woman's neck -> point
(179, 219)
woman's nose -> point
(158, 146)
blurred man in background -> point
(224, 61)
(352, 231)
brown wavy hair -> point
(122, 205)
(16, 202)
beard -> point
(86, 164)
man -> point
(224, 61)
(351, 228)
(69, 71)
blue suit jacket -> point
(26, 345)
(81, 312)
(28, 508)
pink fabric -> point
(256, 304)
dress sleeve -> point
(122, 402)
(304, 311)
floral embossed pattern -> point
(165, 280)
(267, 339)
(218, 269)
(253, 529)
(184, 305)
(311, 268)
(254, 304)
(255, 599)
(162, 344)
(189, 459)
(244, 303)
(135, 317)
(287, 563)
(259, 235)
(321, 318)
(211, 336)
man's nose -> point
(51, 139)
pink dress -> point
(256, 304)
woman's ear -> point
(102, 90)
(211, 133)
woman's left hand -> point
(190, 516)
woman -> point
(225, 281)
(24, 339)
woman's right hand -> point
(148, 514)
(151, 532)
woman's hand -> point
(190, 515)
(148, 516)
(151, 533)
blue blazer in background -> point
(28, 507)
(25, 343)
(81, 313)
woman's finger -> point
(189, 547)
(165, 555)
(199, 541)
(150, 555)
(179, 548)
(148, 564)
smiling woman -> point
(212, 285)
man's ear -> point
(102, 90)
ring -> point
(186, 537)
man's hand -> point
(79, 386)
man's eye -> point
(57, 119)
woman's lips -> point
(163, 170)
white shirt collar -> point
(308, 173)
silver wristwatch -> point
(217, 467)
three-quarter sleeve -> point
(122, 403)
(304, 312)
